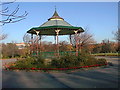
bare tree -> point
(117, 35)
(84, 39)
(11, 17)
(117, 38)
(9, 50)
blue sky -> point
(100, 18)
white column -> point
(76, 40)
(37, 33)
(57, 33)
(31, 47)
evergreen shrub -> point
(65, 61)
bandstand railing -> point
(53, 54)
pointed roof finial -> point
(55, 15)
(55, 7)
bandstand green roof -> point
(55, 23)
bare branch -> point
(4, 10)
(7, 2)
(10, 21)
(3, 36)
(83, 39)
(12, 17)
(117, 35)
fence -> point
(53, 54)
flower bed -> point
(69, 68)
(66, 62)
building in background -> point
(20, 45)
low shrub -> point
(68, 60)
(29, 62)
(101, 61)
(25, 63)
(65, 61)
(110, 63)
(86, 59)
(55, 63)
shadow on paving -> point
(95, 79)
(79, 79)
(47, 80)
(12, 79)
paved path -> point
(6, 61)
(97, 78)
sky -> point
(101, 18)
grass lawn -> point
(106, 54)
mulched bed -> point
(54, 69)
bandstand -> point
(55, 26)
